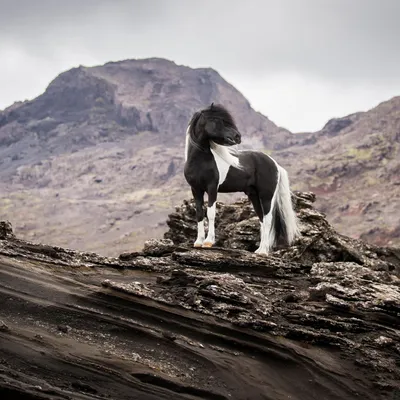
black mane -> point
(219, 111)
(193, 122)
(212, 111)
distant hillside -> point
(353, 165)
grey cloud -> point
(335, 39)
(337, 47)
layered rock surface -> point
(318, 320)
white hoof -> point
(198, 243)
(209, 242)
(261, 251)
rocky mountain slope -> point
(353, 164)
(318, 320)
(95, 163)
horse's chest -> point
(201, 175)
(222, 167)
(205, 172)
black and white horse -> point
(212, 166)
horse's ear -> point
(212, 105)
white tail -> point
(283, 204)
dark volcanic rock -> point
(335, 125)
(6, 231)
(318, 320)
(237, 227)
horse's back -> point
(257, 160)
(258, 170)
(265, 170)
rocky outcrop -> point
(237, 227)
(6, 231)
(317, 320)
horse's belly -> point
(235, 181)
(224, 188)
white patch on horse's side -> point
(200, 234)
(211, 224)
(187, 139)
(225, 158)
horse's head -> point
(216, 124)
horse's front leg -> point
(199, 200)
(212, 200)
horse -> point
(213, 165)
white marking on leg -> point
(266, 235)
(267, 230)
(224, 158)
(261, 236)
(210, 239)
(200, 234)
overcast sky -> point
(299, 62)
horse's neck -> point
(197, 150)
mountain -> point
(96, 161)
(353, 166)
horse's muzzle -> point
(238, 138)
(233, 139)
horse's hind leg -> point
(255, 200)
(212, 200)
(267, 235)
(199, 200)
